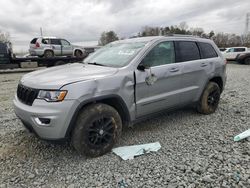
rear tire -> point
(48, 54)
(98, 127)
(210, 98)
(247, 61)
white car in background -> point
(231, 53)
(52, 46)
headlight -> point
(52, 96)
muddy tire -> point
(210, 98)
(48, 54)
(78, 53)
(247, 61)
(98, 127)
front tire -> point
(98, 127)
(210, 98)
(78, 53)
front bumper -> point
(59, 113)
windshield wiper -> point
(94, 63)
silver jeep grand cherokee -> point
(118, 85)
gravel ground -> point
(197, 150)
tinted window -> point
(239, 49)
(207, 50)
(161, 54)
(33, 41)
(55, 41)
(186, 51)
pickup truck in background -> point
(243, 58)
(233, 52)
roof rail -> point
(180, 35)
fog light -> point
(43, 121)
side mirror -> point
(141, 67)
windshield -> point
(115, 55)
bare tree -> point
(4, 37)
(107, 37)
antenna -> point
(247, 23)
(41, 31)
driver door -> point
(158, 86)
(67, 48)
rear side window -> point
(186, 51)
(45, 41)
(239, 49)
(207, 50)
(55, 41)
(33, 41)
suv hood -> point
(56, 77)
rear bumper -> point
(59, 114)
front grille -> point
(26, 95)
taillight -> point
(37, 45)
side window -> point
(45, 41)
(207, 50)
(55, 41)
(161, 54)
(186, 51)
(239, 50)
(65, 43)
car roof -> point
(156, 38)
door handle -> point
(203, 64)
(174, 69)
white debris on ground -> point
(242, 135)
(129, 152)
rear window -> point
(207, 50)
(55, 41)
(186, 51)
(33, 41)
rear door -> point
(157, 87)
(194, 70)
(67, 48)
(56, 46)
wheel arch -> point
(218, 80)
(75, 49)
(113, 100)
(48, 49)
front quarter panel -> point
(120, 85)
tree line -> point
(222, 40)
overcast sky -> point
(84, 20)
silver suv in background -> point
(52, 46)
(118, 85)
